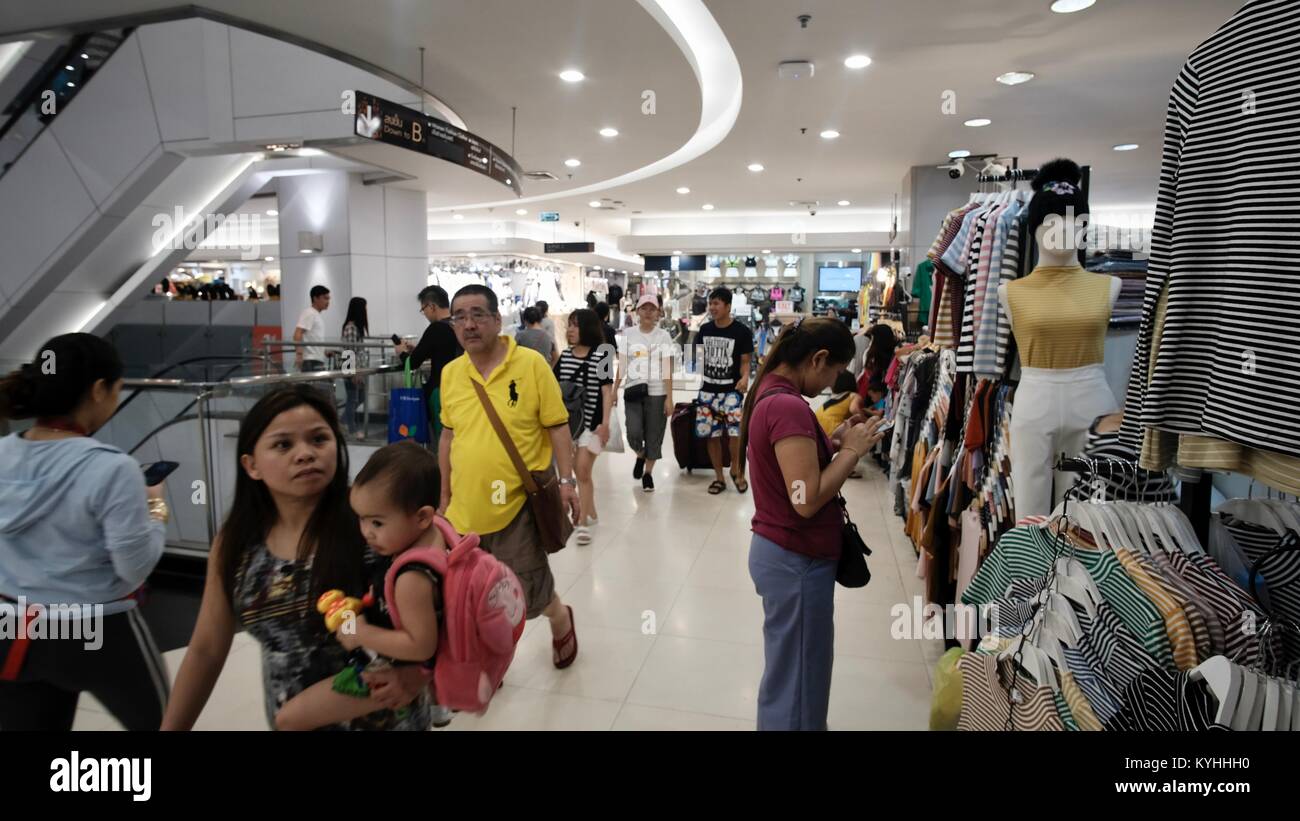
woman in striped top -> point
(589, 362)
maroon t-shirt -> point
(777, 417)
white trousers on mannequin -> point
(1052, 413)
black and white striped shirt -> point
(1224, 243)
(592, 371)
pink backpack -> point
(483, 617)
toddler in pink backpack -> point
(442, 601)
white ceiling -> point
(1103, 78)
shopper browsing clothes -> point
(311, 329)
(646, 375)
(290, 536)
(438, 346)
(728, 347)
(78, 528)
(484, 493)
(589, 363)
(798, 520)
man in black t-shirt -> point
(726, 346)
(438, 346)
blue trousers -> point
(798, 595)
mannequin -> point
(1059, 315)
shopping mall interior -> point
(182, 180)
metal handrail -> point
(225, 387)
(325, 343)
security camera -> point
(955, 169)
(956, 173)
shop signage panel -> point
(387, 122)
(550, 216)
(569, 248)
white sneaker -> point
(584, 535)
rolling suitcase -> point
(693, 453)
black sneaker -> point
(639, 469)
(648, 483)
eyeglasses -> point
(478, 317)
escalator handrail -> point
(137, 383)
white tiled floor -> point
(669, 625)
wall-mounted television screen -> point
(833, 279)
(684, 263)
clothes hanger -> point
(1224, 681)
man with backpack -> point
(504, 423)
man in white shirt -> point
(311, 328)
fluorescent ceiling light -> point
(573, 162)
(858, 61)
(572, 75)
(609, 132)
(521, 212)
(843, 203)
(979, 122)
(756, 167)
(1071, 6)
(1127, 147)
(683, 190)
(708, 206)
(1015, 78)
(960, 154)
(830, 134)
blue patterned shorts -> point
(716, 411)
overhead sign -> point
(569, 248)
(387, 122)
(550, 216)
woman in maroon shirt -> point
(797, 522)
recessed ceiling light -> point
(1015, 78)
(708, 206)
(858, 61)
(609, 132)
(458, 216)
(856, 251)
(979, 122)
(960, 154)
(269, 259)
(271, 212)
(72, 85)
(85, 56)
(843, 203)
(594, 203)
(830, 134)
(756, 167)
(683, 190)
(521, 211)
(70, 68)
(677, 253)
(766, 251)
(572, 75)
(573, 162)
(1127, 147)
(1071, 6)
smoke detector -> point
(795, 70)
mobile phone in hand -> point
(397, 340)
(155, 473)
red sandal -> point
(559, 661)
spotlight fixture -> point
(572, 75)
(85, 56)
(573, 162)
(1015, 78)
(1071, 6)
(857, 61)
(609, 132)
(830, 134)
(309, 242)
(756, 167)
(70, 68)
(683, 190)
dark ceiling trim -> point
(185, 12)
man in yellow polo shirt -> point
(482, 491)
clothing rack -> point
(1193, 496)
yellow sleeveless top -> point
(1059, 317)
(834, 416)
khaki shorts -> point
(518, 545)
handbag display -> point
(542, 487)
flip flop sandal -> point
(716, 487)
(559, 661)
(741, 483)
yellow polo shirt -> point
(486, 490)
